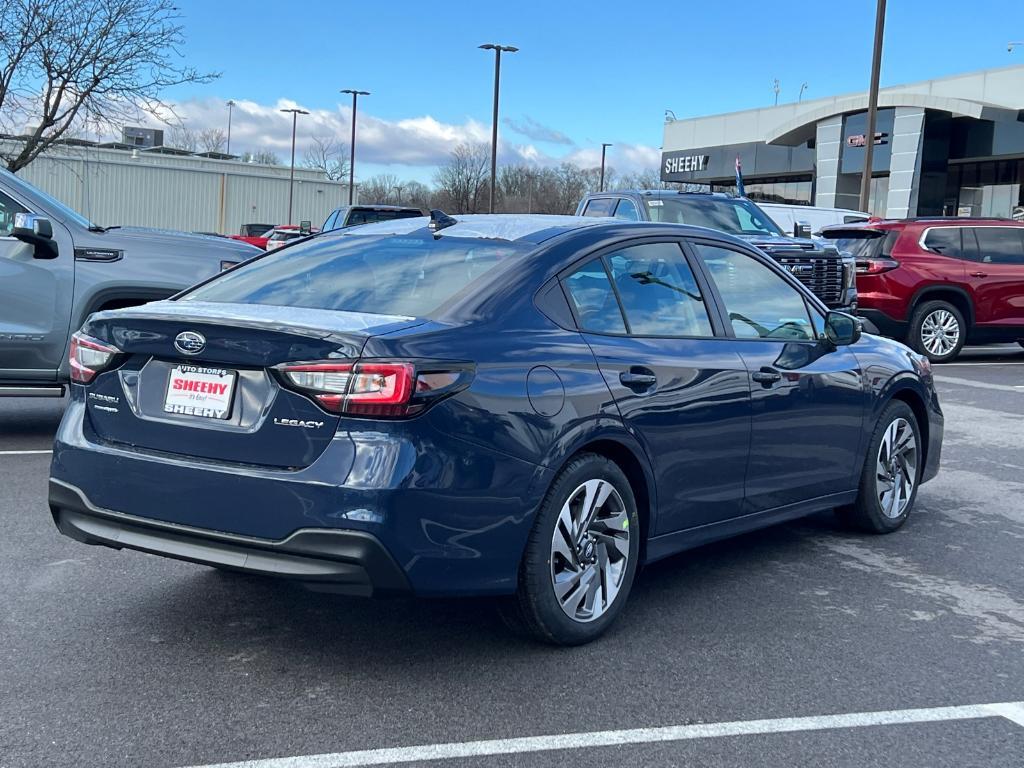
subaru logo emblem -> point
(189, 342)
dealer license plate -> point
(194, 390)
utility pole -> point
(604, 148)
(291, 178)
(494, 117)
(352, 146)
(776, 87)
(869, 137)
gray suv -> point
(820, 266)
(57, 268)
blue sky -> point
(586, 72)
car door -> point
(35, 300)
(996, 275)
(679, 384)
(808, 399)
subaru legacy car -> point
(520, 406)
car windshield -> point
(733, 215)
(397, 275)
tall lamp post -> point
(231, 105)
(352, 145)
(291, 178)
(604, 148)
(869, 138)
(494, 118)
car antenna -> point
(440, 220)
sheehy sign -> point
(860, 140)
(686, 163)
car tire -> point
(570, 593)
(890, 478)
(937, 330)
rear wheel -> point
(581, 556)
(888, 483)
(938, 330)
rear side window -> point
(402, 275)
(594, 300)
(658, 291)
(1000, 245)
(626, 209)
(945, 241)
(329, 224)
(602, 206)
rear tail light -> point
(379, 389)
(89, 356)
(875, 266)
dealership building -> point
(952, 146)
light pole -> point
(231, 105)
(494, 118)
(803, 88)
(1011, 46)
(291, 178)
(352, 146)
(399, 187)
(604, 148)
(869, 137)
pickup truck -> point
(57, 268)
(830, 274)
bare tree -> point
(180, 137)
(62, 61)
(262, 157)
(329, 156)
(461, 182)
(378, 189)
(417, 195)
(213, 140)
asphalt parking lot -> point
(888, 650)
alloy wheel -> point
(590, 550)
(896, 470)
(940, 332)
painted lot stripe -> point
(1013, 711)
(979, 364)
(976, 384)
(25, 453)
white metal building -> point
(174, 190)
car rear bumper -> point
(349, 562)
(883, 324)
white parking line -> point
(976, 384)
(976, 365)
(24, 453)
(1013, 711)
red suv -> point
(938, 283)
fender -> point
(921, 294)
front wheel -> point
(581, 556)
(892, 470)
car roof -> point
(931, 221)
(528, 227)
(660, 193)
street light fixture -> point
(231, 105)
(1011, 46)
(800, 97)
(291, 178)
(352, 145)
(869, 137)
(604, 148)
(494, 118)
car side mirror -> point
(37, 231)
(802, 230)
(842, 329)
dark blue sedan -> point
(530, 406)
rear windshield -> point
(369, 216)
(733, 215)
(871, 245)
(396, 275)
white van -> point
(786, 216)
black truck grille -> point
(822, 274)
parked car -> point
(354, 215)
(523, 406)
(789, 216)
(285, 234)
(821, 267)
(939, 283)
(56, 268)
(254, 234)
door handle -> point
(979, 274)
(766, 376)
(639, 378)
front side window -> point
(1000, 245)
(626, 209)
(592, 296)
(759, 302)
(659, 293)
(601, 206)
(401, 275)
(8, 210)
(945, 241)
(329, 224)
